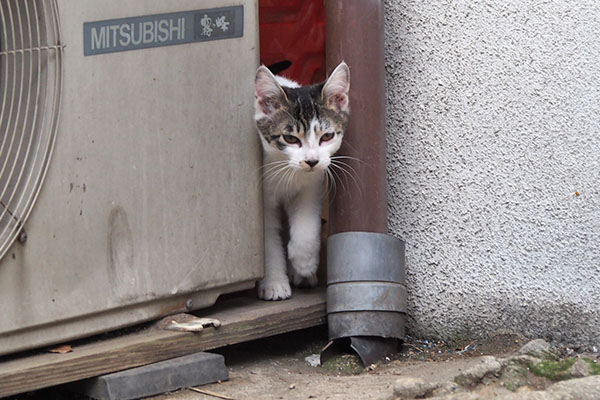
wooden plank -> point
(242, 319)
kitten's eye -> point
(291, 139)
(327, 137)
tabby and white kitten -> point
(300, 128)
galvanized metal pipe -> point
(366, 292)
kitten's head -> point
(304, 125)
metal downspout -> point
(358, 215)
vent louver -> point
(30, 89)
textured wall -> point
(494, 164)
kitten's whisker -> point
(278, 172)
(351, 147)
(350, 158)
(345, 164)
(348, 173)
(272, 169)
(351, 172)
(279, 180)
(330, 182)
(272, 166)
(289, 181)
(343, 156)
(268, 175)
(338, 178)
(348, 166)
(283, 177)
(273, 163)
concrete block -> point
(165, 376)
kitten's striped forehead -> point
(302, 106)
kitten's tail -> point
(279, 66)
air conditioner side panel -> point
(152, 196)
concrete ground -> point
(276, 368)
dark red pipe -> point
(355, 34)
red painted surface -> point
(294, 30)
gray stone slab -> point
(165, 376)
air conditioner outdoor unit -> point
(129, 164)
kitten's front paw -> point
(303, 281)
(272, 289)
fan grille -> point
(30, 87)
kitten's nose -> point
(312, 163)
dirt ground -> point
(275, 368)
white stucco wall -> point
(493, 111)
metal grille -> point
(30, 86)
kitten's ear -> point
(268, 93)
(335, 90)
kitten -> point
(301, 128)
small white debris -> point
(314, 360)
(195, 325)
